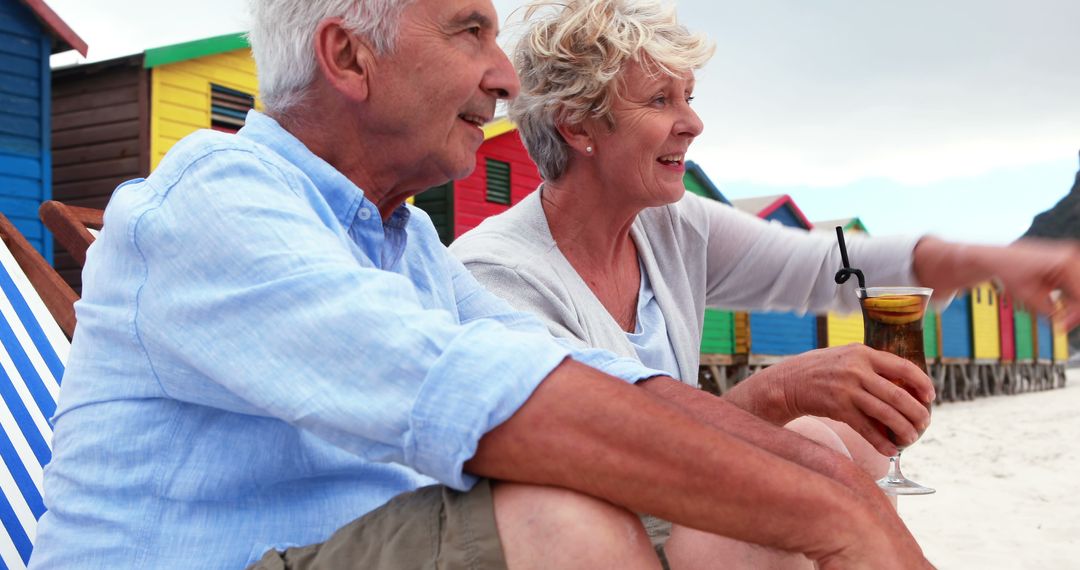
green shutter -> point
(498, 181)
(438, 202)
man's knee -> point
(549, 527)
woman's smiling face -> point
(644, 154)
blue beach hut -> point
(1045, 337)
(955, 378)
(956, 338)
(774, 335)
(29, 33)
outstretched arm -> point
(1029, 269)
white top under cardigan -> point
(698, 253)
(650, 337)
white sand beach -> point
(1007, 472)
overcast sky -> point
(959, 118)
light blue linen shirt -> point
(260, 360)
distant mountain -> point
(1061, 221)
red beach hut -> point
(504, 175)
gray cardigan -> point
(698, 253)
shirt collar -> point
(343, 197)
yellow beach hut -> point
(114, 120)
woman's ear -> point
(576, 136)
(343, 59)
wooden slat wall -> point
(438, 202)
(25, 177)
(180, 95)
(1044, 338)
(844, 329)
(782, 334)
(931, 342)
(1061, 342)
(718, 333)
(985, 323)
(1006, 322)
(100, 137)
(470, 202)
(742, 332)
(1023, 333)
(956, 328)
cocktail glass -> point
(893, 322)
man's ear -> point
(343, 59)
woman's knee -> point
(817, 430)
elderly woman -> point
(612, 252)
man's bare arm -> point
(592, 433)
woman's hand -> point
(853, 384)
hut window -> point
(228, 108)
(498, 181)
(990, 297)
(978, 295)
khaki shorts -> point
(432, 527)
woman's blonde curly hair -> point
(571, 52)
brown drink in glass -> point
(893, 322)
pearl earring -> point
(588, 149)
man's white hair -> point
(283, 33)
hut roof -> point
(164, 55)
(497, 127)
(695, 170)
(763, 206)
(64, 38)
(846, 223)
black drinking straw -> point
(844, 274)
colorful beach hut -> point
(115, 120)
(1007, 326)
(697, 182)
(1061, 343)
(1044, 340)
(774, 335)
(987, 365)
(1044, 353)
(1023, 335)
(29, 33)
(1061, 353)
(986, 324)
(1028, 373)
(504, 175)
(955, 375)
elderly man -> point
(271, 345)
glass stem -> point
(895, 476)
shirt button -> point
(364, 214)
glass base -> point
(894, 482)
(902, 487)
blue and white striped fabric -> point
(34, 351)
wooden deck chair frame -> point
(71, 226)
(34, 301)
(57, 295)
